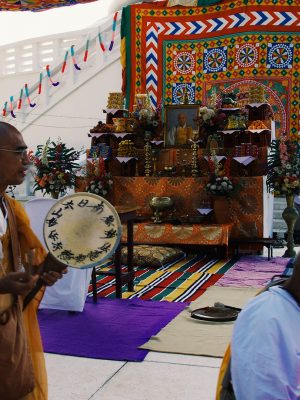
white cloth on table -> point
(69, 293)
(265, 360)
(244, 160)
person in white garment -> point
(265, 346)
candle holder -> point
(148, 154)
(195, 148)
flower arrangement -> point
(99, 181)
(283, 175)
(210, 121)
(56, 167)
(219, 183)
(206, 115)
(147, 119)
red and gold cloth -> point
(197, 234)
(245, 207)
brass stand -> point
(195, 148)
(148, 157)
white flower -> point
(213, 187)
(203, 110)
(224, 184)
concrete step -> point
(277, 214)
(280, 232)
(279, 225)
(280, 204)
(279, 207)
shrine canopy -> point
(35, 5)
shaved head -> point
(6, 131)
(13, 160)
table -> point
(267, 242)
(127, 215)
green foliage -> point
(283, 175)
(56, 167)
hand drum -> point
(82, 230)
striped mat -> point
(181, 281)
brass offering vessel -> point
(159, 205)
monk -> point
(181, 132)
(17, 281)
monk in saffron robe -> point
(181, 133)
(17, 284)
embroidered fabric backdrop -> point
(231, 46)
(35, 5)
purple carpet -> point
(254, 271)
(112, 329)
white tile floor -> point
(160, 376)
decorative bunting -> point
(12, 107)
(114, 26)
(73, 58)
(63, 68)
(40, 83)
(49, 76)
(86, 53)
(20, 99)
(4, 109)
(27, 95)
(101, 43)
(65, 62)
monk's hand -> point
(52, 270)
(51, 277)
(18, 283)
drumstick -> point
(33, 292)
(55, 266)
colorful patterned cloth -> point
(198, 234)
(185, 280)
(34, 5)
(230, 46)
(245, 209)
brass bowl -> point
(160, 204)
